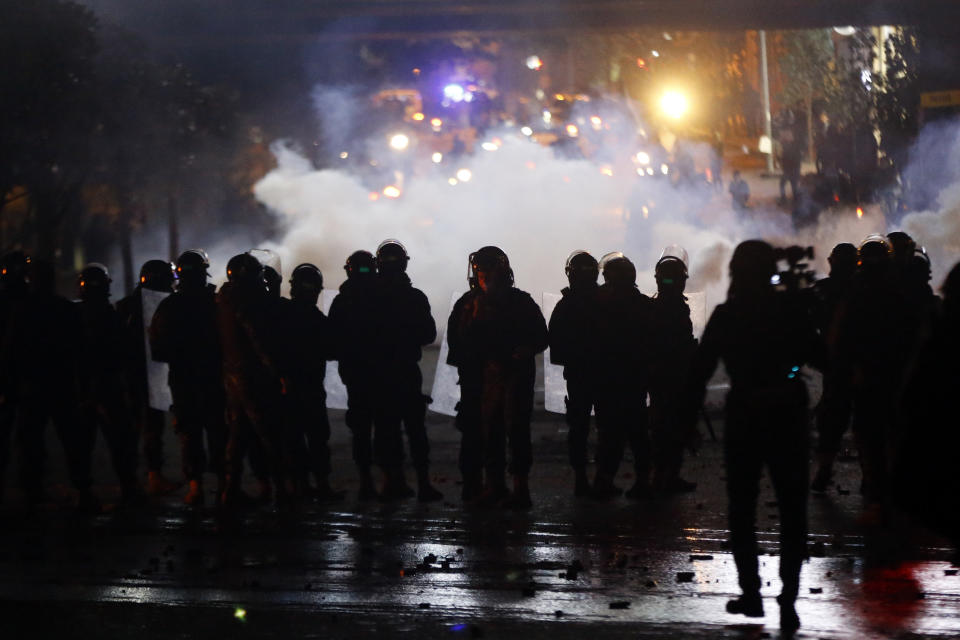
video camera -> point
(797, 275)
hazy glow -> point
(464, 175)
(674, 104)
(399, 141)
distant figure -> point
(739, 193)
(836, 401)
(790, 159)
(494, 332)
(355, 317)
(672, 347)
(184, 334)
(407, 327)
(572, 336)
(155, 275)
(763, 340)
(623, 320)
(716, 162)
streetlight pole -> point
(767, 128)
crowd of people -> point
(247, 368)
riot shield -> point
(446, 391)
(554, 386)
(336, 390)
(158, 389)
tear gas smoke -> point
(539, 206)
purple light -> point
(454, 92)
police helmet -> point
(618, 269)
(13, 267)
(580, 261)
(489, 259)
(360, 264)
(273, 279)
(672, 265)
(306, 277)
(158, 275)
(902, 245)
(392, 256)
(93, 280)
(192, 261)
(874, 250)
(244, 268)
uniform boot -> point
(581, 485)
(157, 485)
(194, 497)
(367, 489)
(789, 620)
(395, 485)
(425, 491)
(520, 499)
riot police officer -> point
(571, 340)
(103, 391)
(836, 402)
(155, 275)
(40, 353)
(407, 326)
(184, 334)
(309, 346)
(252, 377)
(13, 290)
(494, 332)
(623, 318)
(673, 348)
(354, 315)
(763, 339)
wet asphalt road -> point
(565, 569)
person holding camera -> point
(763, 341)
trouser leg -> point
(414, 419)
(120, 435)
(743, 466)
(518, 410)
(494, 429)
(788, 465)
(579, 402)
(359, 419)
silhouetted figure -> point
(836, 401)
(184, 334)
(156, 275)
(355, 316)
(763, 340)
(739, 193)
(925, 480)
(39, 354)
(672, 348)
(875, 339)
(624, 321)
(249, 339)
(13, 290)
(309, 344)
(494, 332)
(407, 327)
(571, 346)
(103, 389)
(790, 163)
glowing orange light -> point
(607, 171)
(374, 196)
(416, 72)
(859, 212)
(392, 191)
(418, 116)
(436, 123)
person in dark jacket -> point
(103, 390)
(155, 275)
(355, 317)
(624, 358)
(184, 334)
(673, 346)
(407, 326)
(494, 332)
(13, 290)
(40, 351)
(763, 339)
(309, 346)
(571, 340)
(836, 402)
(252, 376)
